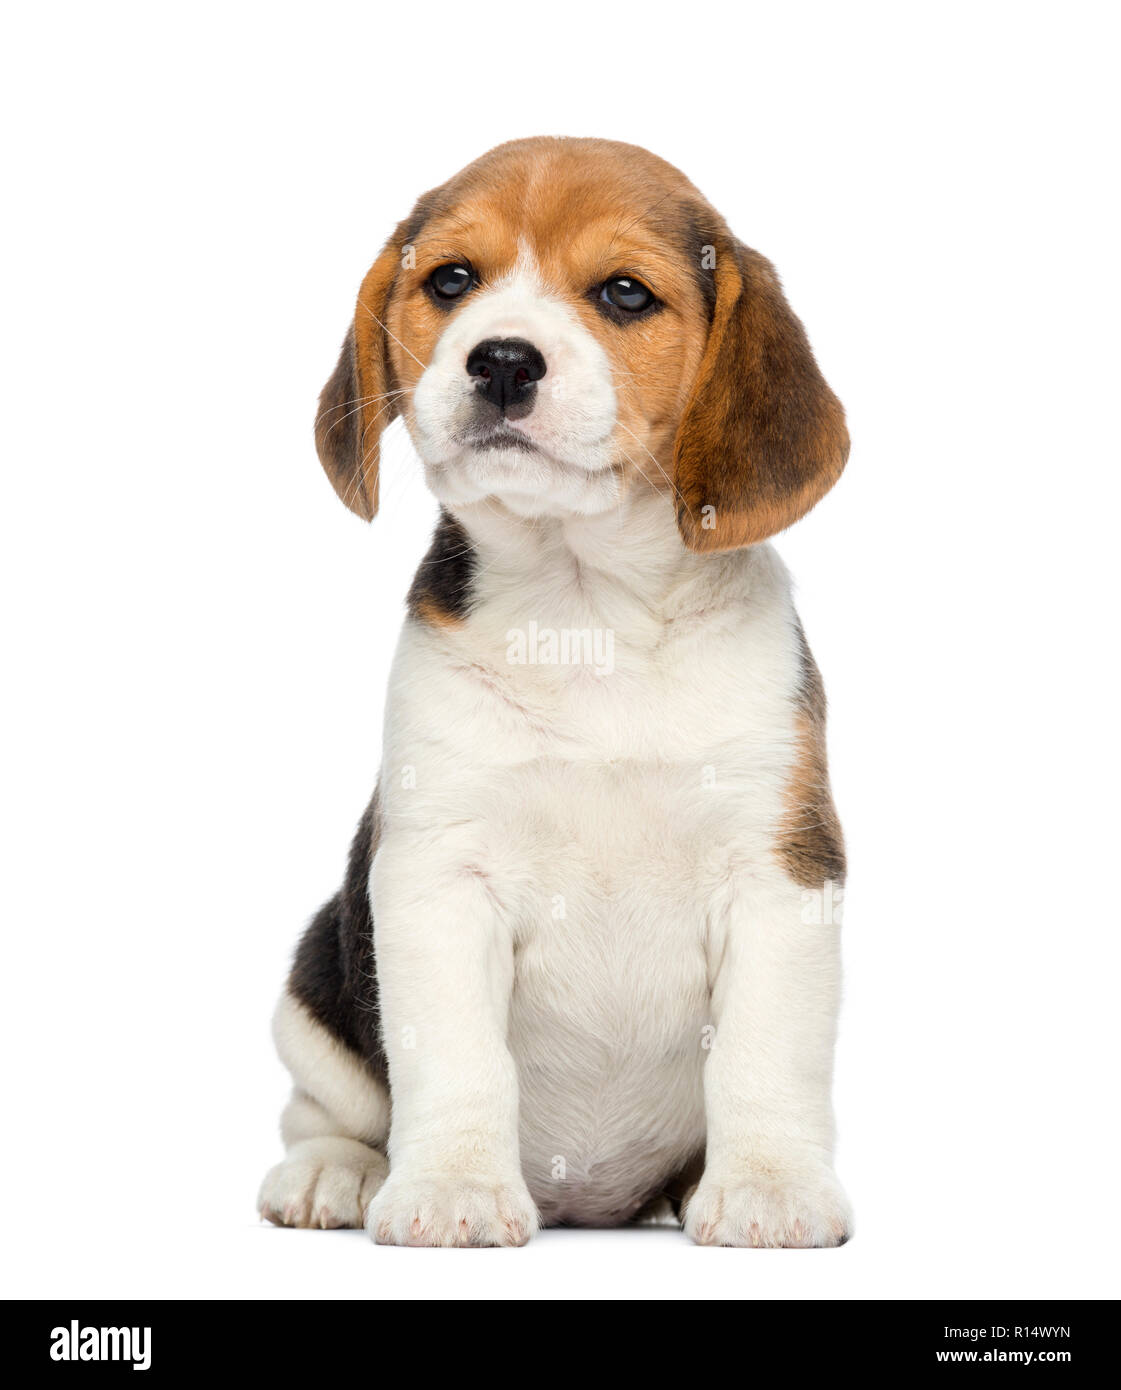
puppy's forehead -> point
(563, 198)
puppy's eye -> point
(627, 294)
(450, 281)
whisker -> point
(354, 400)
(397, 340)
(369, 400)
(360, 477)
(659, 467)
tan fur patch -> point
(429, 611)
(811, 845)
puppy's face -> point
(568, 319)
(556, 305)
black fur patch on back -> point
(333, 974)
(442, 588)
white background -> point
(197, 634)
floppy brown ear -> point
(762, 438)
(354, 406)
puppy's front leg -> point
(445, 969)
(768, 1176)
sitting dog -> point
(571, 976)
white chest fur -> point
(599, 810)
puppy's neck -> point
(635, 546)
(626, 570)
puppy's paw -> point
(803, 1209)
(323, 1183)
(448, 1210)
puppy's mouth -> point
(496, 436)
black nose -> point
(507, 371)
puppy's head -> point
(568, 319)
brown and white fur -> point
(571, 973)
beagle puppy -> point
(583, 968)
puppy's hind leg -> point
(336, 1125)
(334, 1128)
